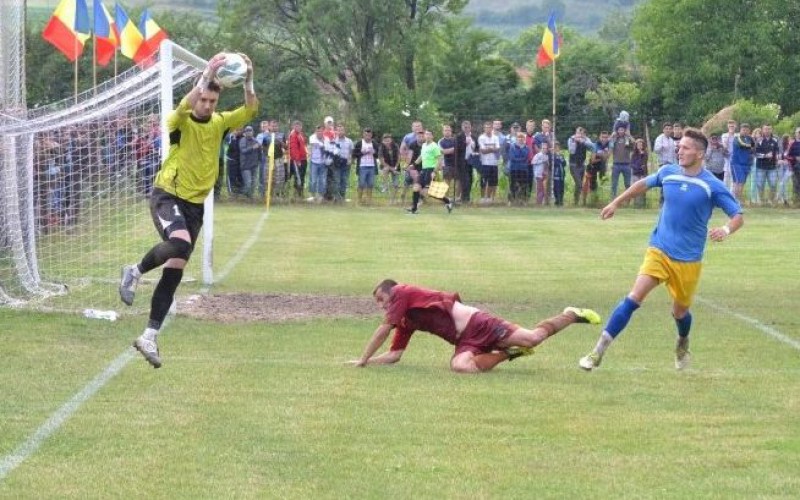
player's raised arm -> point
(208, 75)
(249, 90)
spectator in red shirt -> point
(481, 340)
(298, 157)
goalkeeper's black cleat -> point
(127, 284)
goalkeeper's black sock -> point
(163, 296)
(415, 201)
(446, 200)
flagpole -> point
(94, 63)
(549, 183)
(75, 74)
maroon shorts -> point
(483, 332)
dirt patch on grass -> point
(275, 307)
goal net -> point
(75, 178)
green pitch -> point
(269, 410)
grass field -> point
(260, 410)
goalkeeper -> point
(186, 177)
(482, 341)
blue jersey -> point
(682, 227)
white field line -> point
(26, 449)
(766, 329)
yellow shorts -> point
(681, 278)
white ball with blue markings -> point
(233, 72)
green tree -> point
(700, 57)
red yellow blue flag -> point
(106, 39)
(152, 34)
(549, 50)
(130, 38)
(69, 28)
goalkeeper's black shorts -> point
(171, 213)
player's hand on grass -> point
(357, 363)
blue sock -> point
(620, 317)
(684, 325)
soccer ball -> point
(233, 72)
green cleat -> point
(584, 315)
(590, 361)
(516, 352)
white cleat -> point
(590, 361)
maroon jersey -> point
(413, 308)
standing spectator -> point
(716, 156)
(365, 152)
(448, 146)
(144, 161)
(497, 130)
(664, 147)
(518, 171)
(579, 146)
(530, 141)
(409, 139)
(621, 149)
(742, 159)
(639, 168)
(330, 129)
(389, 159)
(250, 156)
(784, 170)
(753, 196)
(792, 156)
(465, 150)
(597, 167)
(768, 152)
(540, 162)
(489, 146)
(341, 164)
(559, 174)
(279, 174)
(298, 158)
(727, 140)
(232, 157)
(319, 172)
(430, 159)
(546, 136)
(263, 132)
(330, 136)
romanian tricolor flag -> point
(130, 39)
(69, 28)
(106, 39)
(152, 33)
(549, 50)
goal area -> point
(75, 181)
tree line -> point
(384, 62)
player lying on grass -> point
(185, 179)
(677, 243)
(482, 341)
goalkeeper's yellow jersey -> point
(192, 165)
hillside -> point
(508, 17)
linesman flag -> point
(549, 50)
(69, 28)
(130, 38)
(105, 34)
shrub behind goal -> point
(75, 178)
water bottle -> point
(97, 314)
